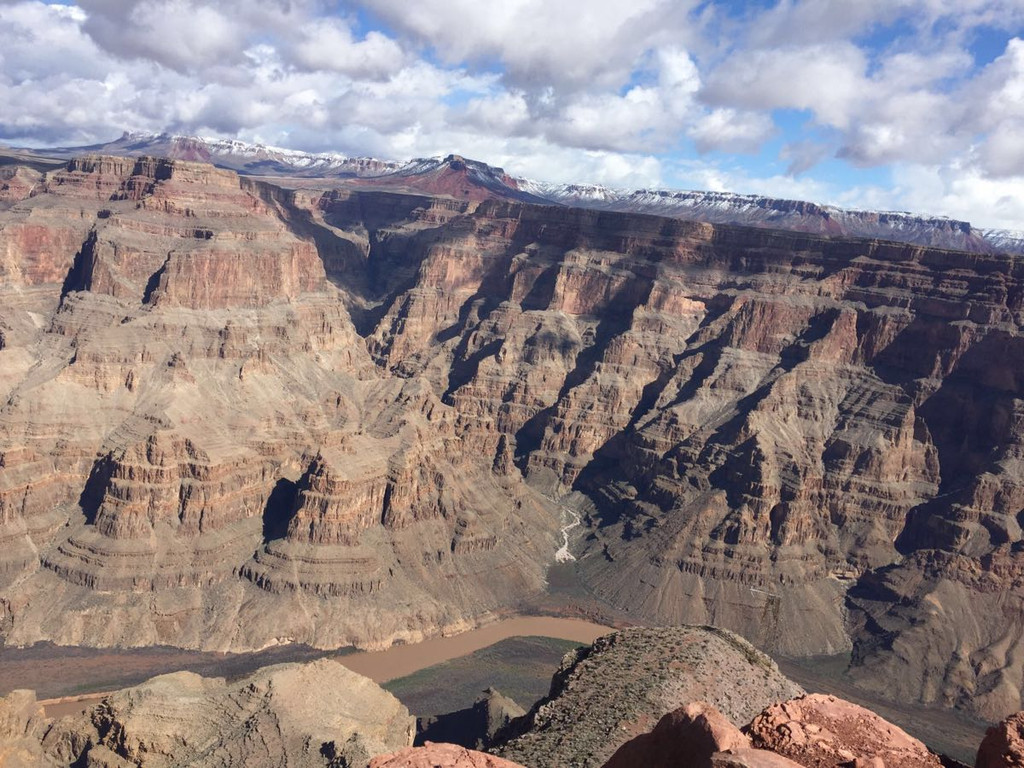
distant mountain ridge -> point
(469, 179)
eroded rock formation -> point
(235, 414)
(1003, 745)
(191, 421)
(318, 714)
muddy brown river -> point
(72, 679)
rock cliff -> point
(235, 414)
(197, 446)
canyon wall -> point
(197, 448)
(237, 414)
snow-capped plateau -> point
(457, 176)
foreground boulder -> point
(820, 731)
(23, 729)
(689, 736)
(750, 758)
(621, 686)
(440, 756)
(1003, 745)
(300, 715)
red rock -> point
(688, 736)
(440, 756)
(1003, 746)
(820, 731)
(750, 758)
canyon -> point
(685, 695)
(237, 413)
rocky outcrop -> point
(627, 681)
(319, 714)
(690, 736)
(819, 730)
(440, 756)
(1003, 745)
(24, 729)
(479, 726)
(18, 183)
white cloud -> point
(961, 191)
(328, 44)
(571, 43)
(730, 130)
(810, 22)
(829, 80)
(572, 91)
(180, 34)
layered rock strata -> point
(753, 422)
(810, 440)
(197, 447)
(318, 714)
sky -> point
(883, 104)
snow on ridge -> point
(241, 151)
(657, 200)
(715, 206)
(667, 199)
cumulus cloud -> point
(730, 130)
(328, 44)
(571, 43)
(829, 80)
(637, 94)
(180, 34)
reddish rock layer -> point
(440, 756)
(1003, 745)
(818, 731)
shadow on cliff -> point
(95, 487)
(614, 321)
(279, 509)
(374, 274)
